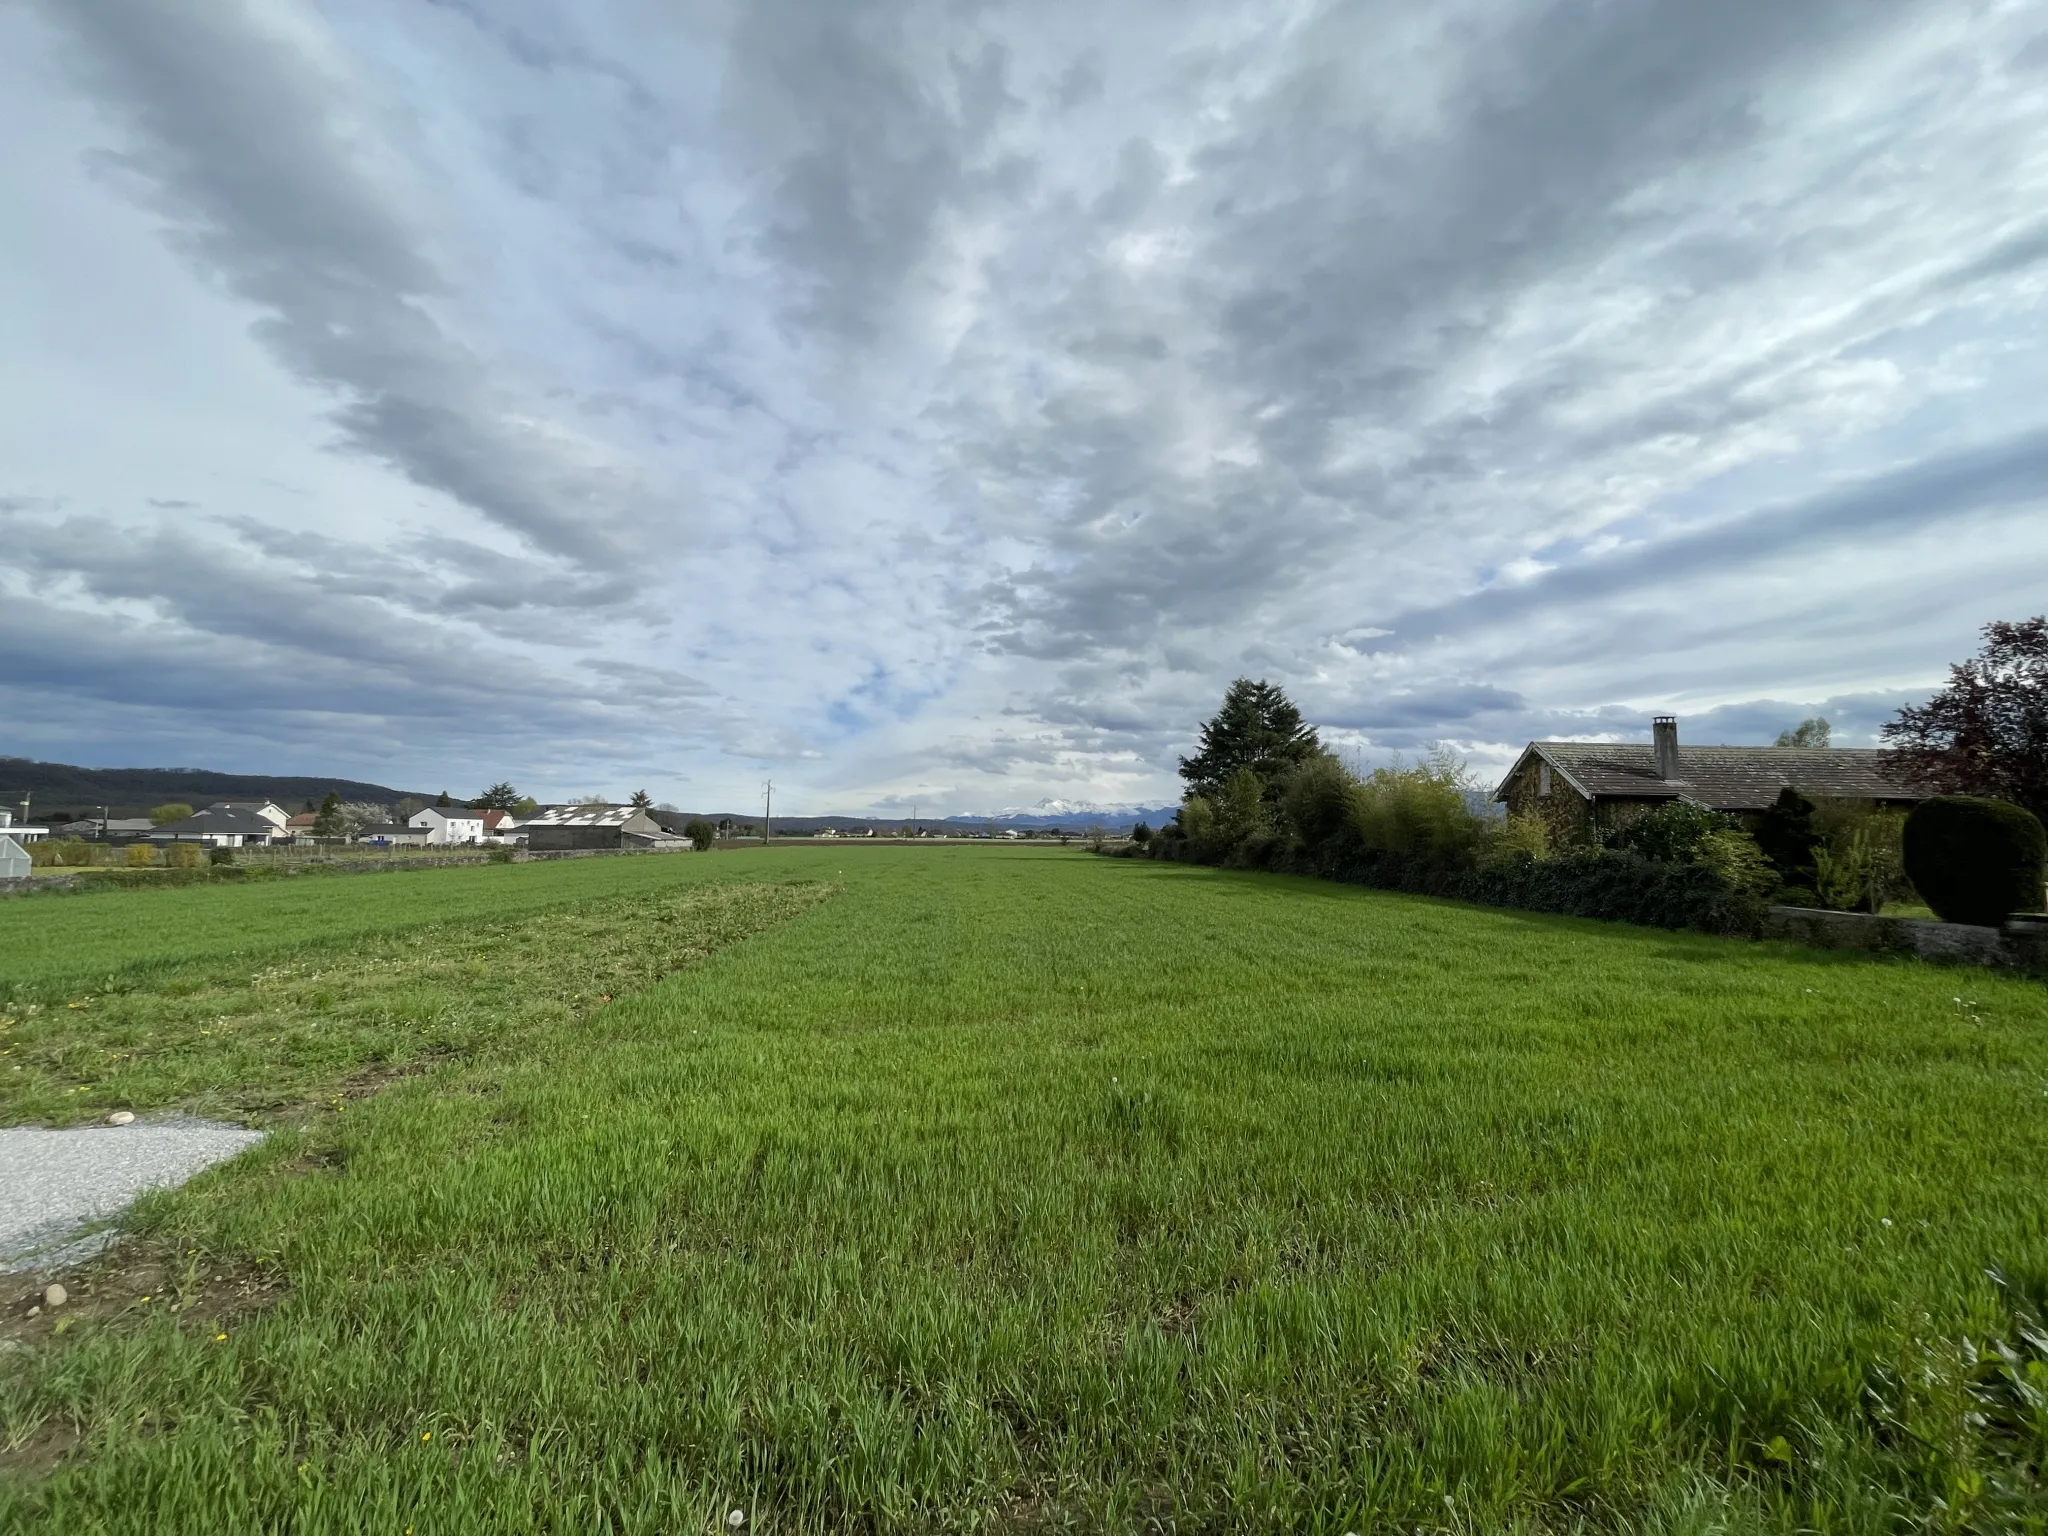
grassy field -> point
(951, 1189)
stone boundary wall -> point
(2020, 944)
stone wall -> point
(2020, 944)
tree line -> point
(1263, 792)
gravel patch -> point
(60, 1190)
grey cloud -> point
(1340, 262)
(1948, 487)
(863, 151)
(249, 147)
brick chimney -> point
(1664, 733)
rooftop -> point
(1723, 778)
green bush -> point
(221, 855)
(1734, 858)
(1516, 839)
(700, 833)
(1789, 839)
(1670, 832)
(1317, 799)
(498, 853)
(1419, 813)
(184, 855)
(1242, 813)
(1860, 863)
(1975, 860)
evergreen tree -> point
(1257, 728)
(499, 797)
(329, 823)
(642, 801)
(1787, 836)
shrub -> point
(1734, 858)
(700, 833)
(1141, 834)
(1514, 840)
(1975, 860)
(1670, 832)
(184, 856)
(1788, 838)
(1860, 862)
(1419, 813)
(498, 853)
(1242, 812)
(220, 855)
(1620, 887)
(140, 856)
(1317, 799)
(66, 851)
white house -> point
(449, 824)
(20, 833)
(227, 825)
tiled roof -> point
(582, 816)
(217, 820)
(1725, 778)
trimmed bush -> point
(222, 855)
(1975, 860)
(184, 855)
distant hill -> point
(57, 788)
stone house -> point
(1583, 790)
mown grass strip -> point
(334, 1019)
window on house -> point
(1543, 780)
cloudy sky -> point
(941, 402)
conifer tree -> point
(1258, 728)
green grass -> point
(1016, 1189)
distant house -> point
(302, 824)
(391, 834)
(1583, 789)
(115, 826)
(21, 832)
(449, 824)
(14, 860)
(227, 825)
(573, 827)
(269, 810)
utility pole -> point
(767, 812)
